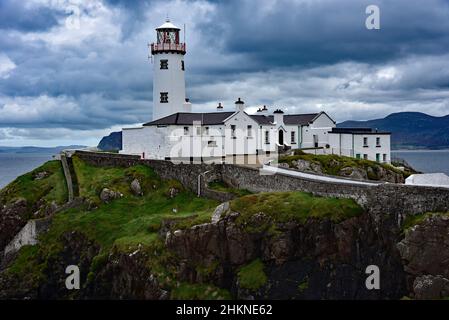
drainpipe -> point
(199, 181)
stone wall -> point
(28, 235)
(394, 199)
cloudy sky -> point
(71, 70)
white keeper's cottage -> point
(178, 133)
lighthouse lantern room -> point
(168, 79)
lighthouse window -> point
(182, 65)
(164, 64)
(164, 97)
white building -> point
(361, 143)
(178, 133)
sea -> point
(13, 165)
(426, 161)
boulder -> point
(41, 175)
(283, 165)
(136, 188)
(425, 247)
(108, 195)
(219, 211)
(302, 165)
(430, 287)
(316, 168)
(354, 173)
(172, 192)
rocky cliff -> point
(157, 241)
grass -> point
(304, 285)
(131, 220)
(252, 276)
(119, 226)
(223, 187)
(51, 188)
(134, 221)
(413, 220)
(294, 206)
(332, 164)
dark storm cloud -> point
(317, 32)
(304, 55)
(17, 16)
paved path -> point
(294, 173)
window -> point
(249, 132)
(186, 131)
(365, 156)
(267, 137)
(365, 142)
(206, 131)
(358, 156)
(164, 97)
(293, 137)
(378, 157)
(233, 131)
(164, 64)
(385, 157)
(211, 143)
(377, 142)
(182, 65)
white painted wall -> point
(169, 80)
(241, 142)
(351, 145)
(319, 128)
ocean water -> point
(427, 161)
(13, 165)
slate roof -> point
(210, 118)
(185, 118)
(358, 131)
(289, 119)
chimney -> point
(279, 117)
(239, 105)
(219, 107)
(264, 110)
(259, 110)
(187, 106)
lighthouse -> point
(169, 89)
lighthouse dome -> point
(168, 25)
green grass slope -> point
(134, 221)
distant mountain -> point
(410, 130)
(31, 149)
(112, 142)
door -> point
(281, 137)
(315, 140)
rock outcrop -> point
(108, 195)
(330, 257)
(335, 167)
(425, 252)
(136, 188)
(13, 217)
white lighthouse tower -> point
(169, 89)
